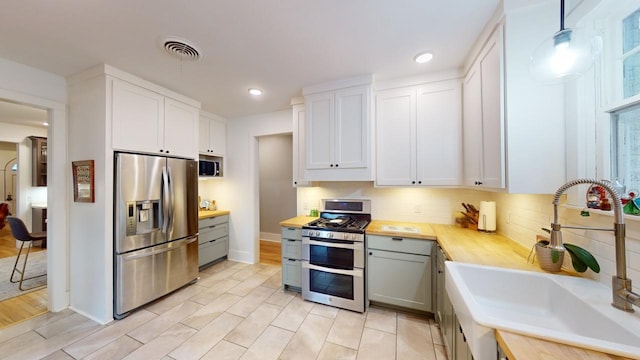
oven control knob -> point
(331, 235)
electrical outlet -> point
(418, 209)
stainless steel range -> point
(333, 254)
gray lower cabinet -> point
(452, 334)
(291, 258)
(399, 271)
(213, 241)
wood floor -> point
(25, 306)
(270, 252)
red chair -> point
(4, 212)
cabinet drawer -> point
(213, 232)
(291, 272)
(212, 250)
(400, 244)
(292, 233)
(291, 248)
(204, 223)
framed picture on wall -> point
(83, 188)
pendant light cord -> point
(561, 15)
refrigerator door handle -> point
(165, 201)
(174, 245)
(172, 200)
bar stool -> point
(20, 232)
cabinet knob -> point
(419, 182)
(331, 165)
(161, 150)
(370, 253)
(295, 183)
(413, 182)
(337, 165)
(166, 151)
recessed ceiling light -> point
(45, 123)
(423, 57)
(254, 91)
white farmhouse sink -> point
(564, 309)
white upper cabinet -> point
(418, 139)
(146, 121)
(483, 135)
(180, 128)
(338, 133)
(138, 116)
(212, 135)
(299, 145)
(514, 126)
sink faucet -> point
(623, 296)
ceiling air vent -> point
(181, 49)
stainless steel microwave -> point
(208, 168)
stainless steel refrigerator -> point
(155, 228)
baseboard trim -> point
(269, 236)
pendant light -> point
(565, 55)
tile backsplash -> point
(519, 217)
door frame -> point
(57, 196)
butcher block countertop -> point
(382, 227)
(205, 214)
(297, 221)
(471, 246)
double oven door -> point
(333, 272)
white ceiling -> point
(279, 46)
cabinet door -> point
(299, 145)
(319, 117)
(438, 129)
(203, 135)
(396, 137)
(472, 127)
(351, 129)
(492, 115)
(180, 129)
(400, 279)
(217, 137)
(137, 115)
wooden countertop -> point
(482, 248)
(298, 221)
(425, 230)
(519, 347)
(205, 214)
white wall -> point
(239, 190)
(277, 196)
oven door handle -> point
(355, 246)
(354, 272)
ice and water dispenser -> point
(142, 216)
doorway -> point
(277, 196)
(18, 122)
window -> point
(626, 146)
(625, 122)
(631, 54)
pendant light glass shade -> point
(565, 55)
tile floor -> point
(235, 311)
